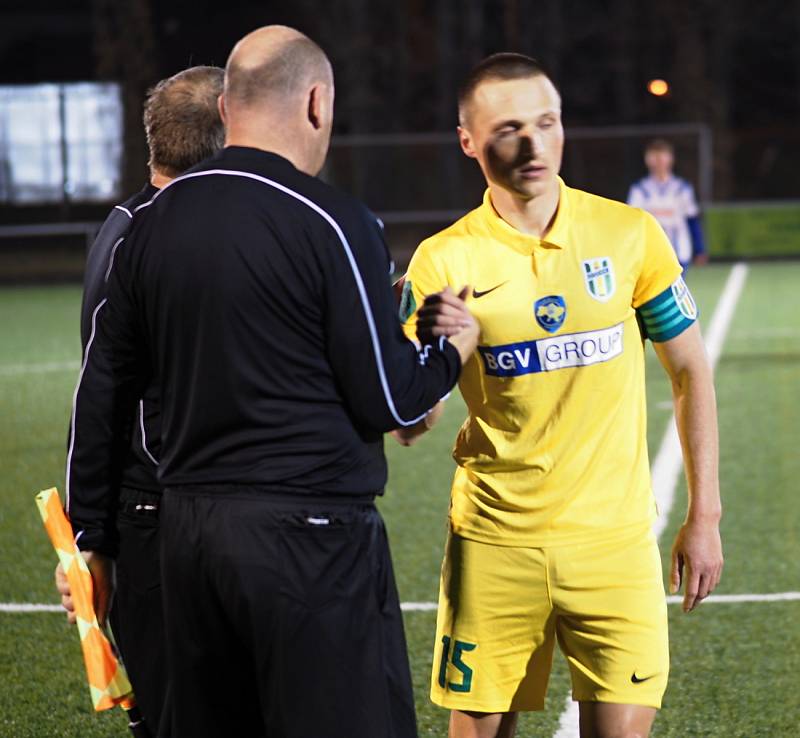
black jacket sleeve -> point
(113, 377)
(385, 380)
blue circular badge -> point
(550, 312)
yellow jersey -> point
(554, 449)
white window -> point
(60, 142)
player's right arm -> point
(424, 278)
(442, 313)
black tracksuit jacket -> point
(257, 299)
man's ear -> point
(221, 108)
(316, 106)
(465, 139)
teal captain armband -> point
(668, 314)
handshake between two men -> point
(446, 314)
(442, 314)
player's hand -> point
(446, 314)
(409, 435)
(700, 260)
(696, 562)
(443, 314)
(102, 570)
(466, 341)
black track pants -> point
(282, 618)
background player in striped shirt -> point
(672, 202)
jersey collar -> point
(556, 237)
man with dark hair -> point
(183, 127)
(259, 299)
(551, 508)
(671, 201)
(498, 67)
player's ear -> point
(465, 139)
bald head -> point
(279, 96)
(274, 66)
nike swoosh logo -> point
(478, 293)
(637, 680)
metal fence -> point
(417, 183)
(425, 177)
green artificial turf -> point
(734, 666)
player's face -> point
(659, 162)
(513, 128)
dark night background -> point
(731, 64)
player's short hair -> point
(659, 144)
(181, 119)
(280, 76)
(503, 66)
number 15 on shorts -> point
(458, 649)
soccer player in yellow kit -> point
(551, 511)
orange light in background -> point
(658, 87)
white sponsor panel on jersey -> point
(548, 354)
(580, 349)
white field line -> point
(668, 463)
(29, 607)
(671, 600)
(10, 370)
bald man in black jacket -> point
(259, 300)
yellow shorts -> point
(501, 610)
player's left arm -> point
(697, 551)
(409, 436)
(668, 317)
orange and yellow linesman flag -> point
(108, 680)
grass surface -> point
(734, 666)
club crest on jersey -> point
(550, 312)
(598, 275)
(684, 299)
